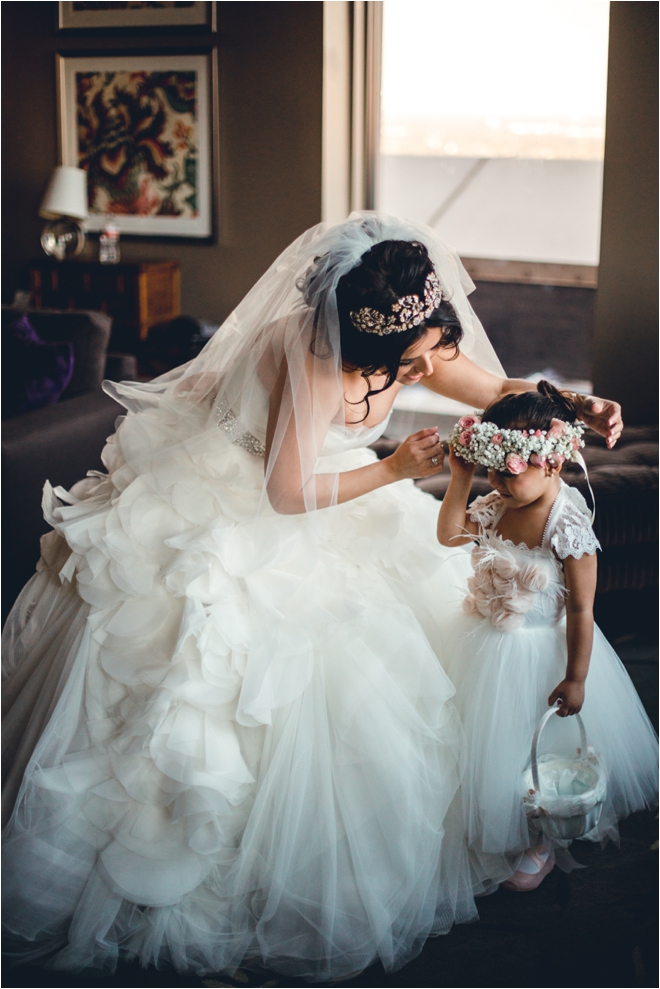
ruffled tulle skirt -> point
(503, 681)
(230, 733)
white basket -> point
(564, 796)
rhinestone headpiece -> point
(406, 312)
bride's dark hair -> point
(390, 270)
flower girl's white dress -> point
(506, 653)
(238, 746)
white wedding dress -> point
(237, 739)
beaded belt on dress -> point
(226, 418)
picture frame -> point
(93, 16)
(141, 126)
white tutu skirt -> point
(503, 681)
(231, 736)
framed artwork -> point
(140, 125)
(134, 13)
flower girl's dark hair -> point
(388, 271)
(531, 409)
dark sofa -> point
(58, 442)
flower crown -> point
(410, 311)
(513, 449)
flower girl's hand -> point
(571, 695)
(459, 467)
(421, 455)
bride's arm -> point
(293, 446)
(459, 378)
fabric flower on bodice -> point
(500, 589)
(533, 577)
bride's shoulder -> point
(301, 378)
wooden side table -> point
(136, 295)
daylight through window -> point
(493, 124)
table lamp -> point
(64, 206)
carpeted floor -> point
(595, 927)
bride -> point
(230, 739)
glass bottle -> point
(109, 243)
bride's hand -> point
(421, 455)
(602, 416)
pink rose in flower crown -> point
(465, 437)
(557, 428)
(537, 460)
(575, 443)
(497, 439)
(467, 422)
(515, 464)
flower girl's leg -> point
(534, 866)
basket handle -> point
(537, 734)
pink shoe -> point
(524, 882)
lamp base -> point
(63, 238)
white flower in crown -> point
(513, 450)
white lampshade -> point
(66, 194)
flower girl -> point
(526, 637)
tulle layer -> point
(502, 684)
(250, 751)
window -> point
(492, 124)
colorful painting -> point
(141, 133)
(133, 14)
(137, 141)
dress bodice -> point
(514, 586)
(340, 439)
(243, 414)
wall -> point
(270, 188)
(626, 320)
(336, 169)
(536, 327)
(270, 138)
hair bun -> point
(566, 409)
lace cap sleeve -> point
(572, 533)
(485, 509)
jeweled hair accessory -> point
(407, 312)
(513, 450)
